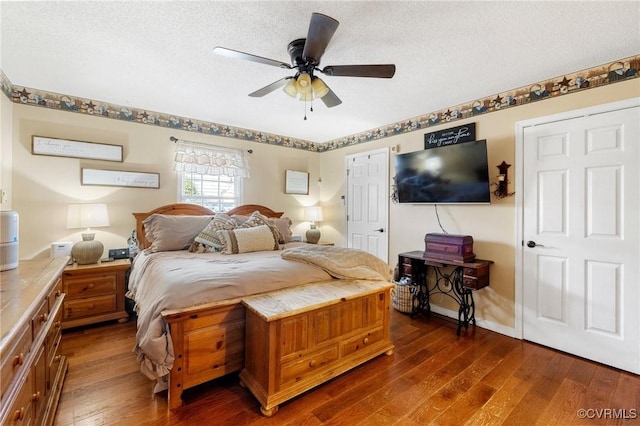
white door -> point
(368, 202)
(581, 245)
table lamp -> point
(313, 214)
(88, 216)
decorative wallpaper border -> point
(613, 72)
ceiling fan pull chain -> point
(305, 108)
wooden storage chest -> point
(300, 337)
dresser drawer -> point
(90, 286)
(89, 307)
(362, 341)
(13, 360)
(54, 335)
(55, 294)
(40, 318)
(21, 411)
(295, 371)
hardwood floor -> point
(433, 377)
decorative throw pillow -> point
(283, 225)
(246, 240)
(173, 232)
(239, 219)
(258, 219)
(208, 239)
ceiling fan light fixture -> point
(290, 88)
(319, 88)
(304, 80)
(308, 97)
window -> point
(210, 176)
(218, 193)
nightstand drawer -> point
(89, 307)
(90, 286)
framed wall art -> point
(296, 182)
(75, 149)
(101, 177)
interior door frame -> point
(348, 158)
(520, 127)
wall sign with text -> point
(451, 136)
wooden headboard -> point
(195, 210)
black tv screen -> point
(450, 174)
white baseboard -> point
(489, 325)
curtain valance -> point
(212, 160)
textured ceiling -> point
(158, 55)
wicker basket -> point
(403, 297)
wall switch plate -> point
(122, 253)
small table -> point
(456, 280)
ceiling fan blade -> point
(330, 99)
(230, 53)
(378, 71)
(321, 29)
(269, 88)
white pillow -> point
(246, 240)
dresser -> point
(300, 337)
(94, 293)
(32, 369)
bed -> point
(191, 320)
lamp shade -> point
(319, 88)
(87, 216)
(290, 88)
(313, 214)
(87, 251)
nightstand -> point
(94, 293)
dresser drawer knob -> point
(44, 317)
(58, 293)
(365, 340)
(19, 414)
(35, 397)
(57, 358)
(313, 363)
(18, 359)
(57, 324)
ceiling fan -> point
(305, 59)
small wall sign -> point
(451, 136)
(296, 182)
(75, 149)
(120, 178)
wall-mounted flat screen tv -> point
(450, 174)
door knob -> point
(532, 244)
(379, 230)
